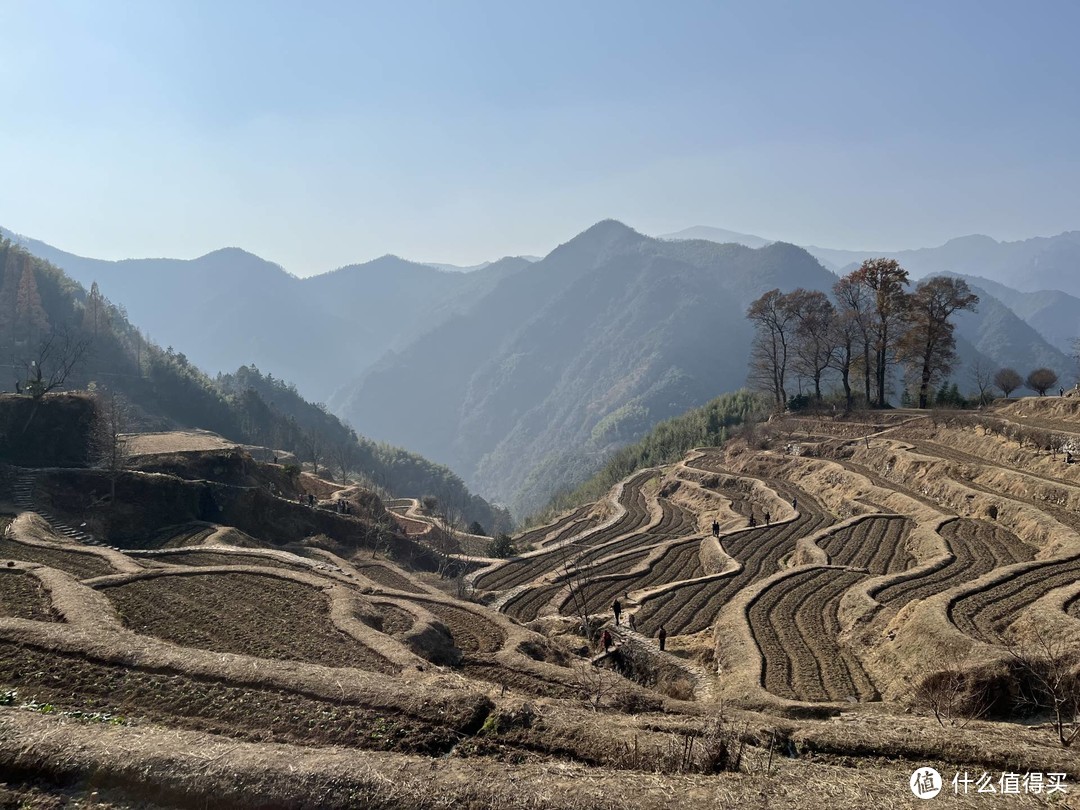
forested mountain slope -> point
(583, 352)
(37, 300)
(230, 308)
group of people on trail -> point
(715, 528)
(343, 507)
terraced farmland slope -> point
(858, 557)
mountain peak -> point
(608, 228)
(972, 240)
(227, 252)
(601, 239)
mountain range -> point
(524, 374)
(1043, 263)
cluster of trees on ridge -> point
(56, 334)
(872, 324)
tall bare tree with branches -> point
(111, 447)
(885, 281)
(814, 345)
(58, 355)
(853, 326)
(774, 322)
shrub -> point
(502, 546)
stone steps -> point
(23, 492)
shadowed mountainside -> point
(610, 333)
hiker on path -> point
(605, 639)
(795, 503)
(633, 625)
(616, 608)
(311, 500)
(753, 520)
(767, 518)
(662, 635)
(715, 528)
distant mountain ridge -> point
(522, 375)
(1027, 265)
(231, 308)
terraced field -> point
(985, 614)
(23, 597)
(179, 536)
(245, 614)
(795, 625)
(675, 522)
(977, 546)
(692, 607)
(678, 562)
(205, 558)
(88, 684)
(384, 575)
(355, 653)
(876, 544)
(562, 526)
(80, 564)
(517, 572)
(527, 605)
(471, 631)
(795, 621)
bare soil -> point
(309, 686)
(245, 614)
(23, 597)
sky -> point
(322, 134)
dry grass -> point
(246, 686)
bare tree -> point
(885, 280)
(313, 446)
(952, 694)
(595, 683)
(1049, 666)
(769, 353)
(855, 305)
(982, 377)
(1041, 380)
(1008, 380)
(928, 346)
(58, 355)
(814, 337)
(112, 449)
(344, 458)
(579, 584)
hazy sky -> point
(319, 134)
